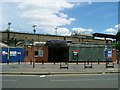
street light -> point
(8, 37)
(9, 23)
(8, 30)
(34, 30)
(56, 30)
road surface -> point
(61, 81)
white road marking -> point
(75, 74)
(8, 80)
(70, 80)
(42, 76)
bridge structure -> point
(20, 39)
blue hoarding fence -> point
(4, 55)
(12, 54)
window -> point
(41, 53)
(36, 53)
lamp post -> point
(56, 30)
(8, 30)
(8, 37)
(34, 30)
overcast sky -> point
(68, 16)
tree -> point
(118, 39)
(118, 36)
(118, 46)
(14, 42)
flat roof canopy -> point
(104, 35)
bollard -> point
(34, 63)
(77, 62)
(7, 61)
(30, 61)
(98, 61)
(118, 60)
(54, 62)
(88, 61)
(42, 62)
(18, 61)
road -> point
(61, 81)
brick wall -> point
(30, 56)
(114, 57)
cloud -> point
(117, 26)
(83, 30)
(113, 30)
(110, 31)
(46, 14)
(64, 31)
(0, 16)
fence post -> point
(98, 61)
(77, 62)
(34, 63)
(54, 62)
(88, 61)
(31, 61)
(18, 61)
(7, 61)
(118, 60)
(42, 62)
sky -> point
(67, 16)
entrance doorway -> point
(58, 53)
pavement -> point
(51, 68)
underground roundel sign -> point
(75, 51)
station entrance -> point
(58, 52)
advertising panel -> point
(13, 53)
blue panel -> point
(4, 54)
(106, 54)
(20, 54)
(13, 55)
(16, 54)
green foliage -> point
(118, 36)
(118, 46)
(13, 43)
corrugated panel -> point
(88, 52)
